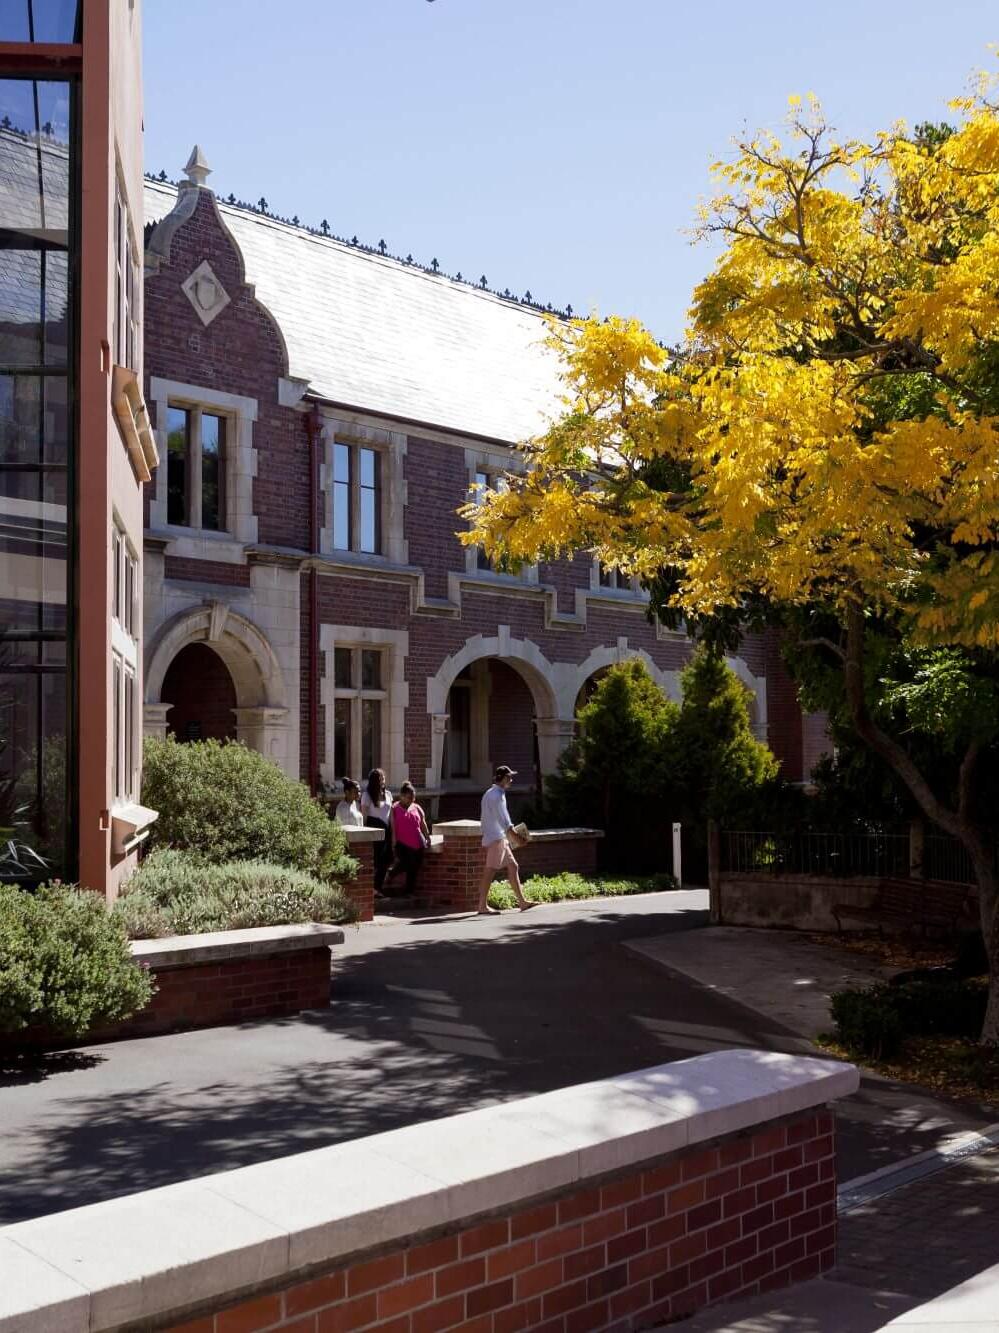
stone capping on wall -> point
(226, 946)
(472, 828)
(177, 1249)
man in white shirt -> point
(496, 823)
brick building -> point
(321, 411)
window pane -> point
(212, 484)
(116, 576)
(371, 669)
(459, 733)
(341, 462)
(178, 434)
(341, 737)
(369, 521)
(608, 577)
(116, 729)
(129, 733)
(39, 21)
(35, 309)
(368, 461)
(341, 516)
(343, 668)
(371, 734)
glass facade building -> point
(74, 443)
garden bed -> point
(953, 1067)
(561, 888)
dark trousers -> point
(408, 860)
(381, 851)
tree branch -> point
(822, 642)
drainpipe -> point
(314, 431)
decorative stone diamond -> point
(205, 293)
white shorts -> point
(499, 855)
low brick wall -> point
(625, 1203)
(452, 869)
(231, 976)
(552, 851)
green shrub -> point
(558, 888)
(65, 964)
(227, 803)
(867, 1023)
(875, 1021)
(177, 893)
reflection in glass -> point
(341, 497)
(212, 482)
(371, 669)
(369, 500)
(53, 21)
(37, 308)
(341, 738)
(371, 727)
(343, 668)
(178, 436)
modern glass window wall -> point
(38, 226)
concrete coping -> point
(564, 834)
(223, 946)
(472, 828)
(356, 835)
(174, 1250)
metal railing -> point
(840, 854)
(944, 858)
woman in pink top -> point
(410, 835)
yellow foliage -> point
(828, 429)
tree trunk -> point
(977, 839)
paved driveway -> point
(427, 1019)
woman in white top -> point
(348, 812)
(376, 807)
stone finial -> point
(197, 170)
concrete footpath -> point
(921, 1255)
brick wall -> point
(551, 858)
(361, 889)
(749, 1213)
(188, 570)
(200, 688)
(511, 722)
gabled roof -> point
(377, 334)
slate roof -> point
(374, 333)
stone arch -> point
(527, 660)
(607, 655)
(261, 693)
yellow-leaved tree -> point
(823, 448)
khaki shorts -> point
(499, 855)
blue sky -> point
(559, 146)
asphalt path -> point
(428, 1018)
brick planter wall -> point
(748, 1214)
(218, 993)
(619, 1204)
(361, 889)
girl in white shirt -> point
(348, 812)
(376, 807)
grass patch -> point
(568, 885)
(953, 1067)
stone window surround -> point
(491, 461)
(240, 468)
(126, 652)
(391, 445)
(629, 589)
(395, 647)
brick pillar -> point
(450, 877)
(361, 889)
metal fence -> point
(879, 853)
(840, 854)
(944, 858)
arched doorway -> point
(256, 712)
(201, 696)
